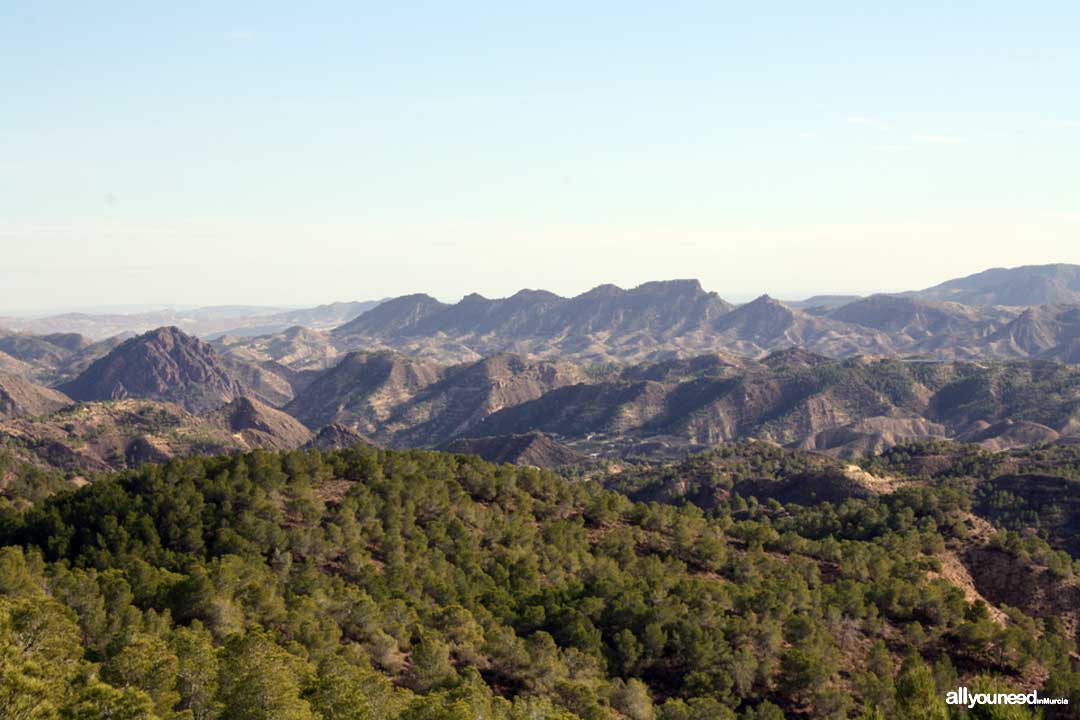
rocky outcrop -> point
(261, 426)
(336, 437)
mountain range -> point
(1010, 287)
(658, 370)
(679, 318)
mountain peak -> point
(688, 285)
(603, 291)
(163, 364)
(535, 295)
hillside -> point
(663, 408)
(368, 583)
(910, 321)
(468, 394)
(102, 436)
(846, 408)
(297, 348)
(535, 449)
(19, 397)
(363, 390)
(14, 366)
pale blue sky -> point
(291, 153)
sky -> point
(291, 153)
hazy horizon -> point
(135, 308)
(205, 155)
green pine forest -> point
(366, 584)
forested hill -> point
(370, 584)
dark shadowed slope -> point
(363, 390)
(536, 449)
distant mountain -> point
(665, 307)
(399, 316)
(297, 347)
(322, 317)
(1027, 285)
(50, 359)
(767, 325)
(651, 322)
(165, 364)
(606, 322)
(268, 382)
(820, 304)
(203, 322)
(38, 351)
(72, 342)
(19, 396)
(660, 320)
(938, 328)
